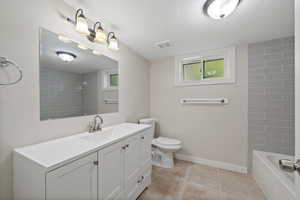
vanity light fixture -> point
(66, 56)
(97, 34)
(81, 23)
(112, 41)
(219, 9)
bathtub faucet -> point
(289, 165)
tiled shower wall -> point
(61, 94)
(271, 105)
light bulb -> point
(100, 36)
(64, 39)
(96, 53)
(82, 25)
(113, 43)
(80, 46)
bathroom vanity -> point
(112, 164)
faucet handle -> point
(91, 126)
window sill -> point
(204, 82)
(110, 89)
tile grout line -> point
(185, 180)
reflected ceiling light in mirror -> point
(112, 41)
(96, 52)
(64, 39)
(80, 46)
(65, 56)
(219, 9)
(81, 23)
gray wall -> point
(271, 96)
(90, 94)
(215, 133)
(61, 94)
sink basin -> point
(99, 136)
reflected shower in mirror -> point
(75, 81)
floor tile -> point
(205, 176)
(179, 169)
(189, 181)
(236, 184)
(196, 192)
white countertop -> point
(52, 153)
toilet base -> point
(162, 159)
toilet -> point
(163, 148)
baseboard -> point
(212, 163)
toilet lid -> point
(167, 141)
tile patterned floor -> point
(189, 181)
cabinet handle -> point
(125, 146)
(140, 180)
(142, 137)
(96, 163)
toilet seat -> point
(167, 143)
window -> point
(114, 80)
(110, 79)
(213, 67)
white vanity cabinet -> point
(77, 180)
(122, 168)
(111, 172)
(117, 167)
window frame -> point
(106, 74)
(229, 56)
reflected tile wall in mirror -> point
(86, 85)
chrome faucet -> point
(96, 124)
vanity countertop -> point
(55, 152)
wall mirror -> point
(74, 80)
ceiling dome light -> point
(66, 56)
(112, 41)
(81, 23)
(219, 9)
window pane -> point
(114, 79)
(213, 68)
(192, 71)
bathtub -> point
(275, 183)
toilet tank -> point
(150, 121)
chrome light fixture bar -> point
(219, 9)
(97, 34)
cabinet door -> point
(77, 180)
(111, 172)
(145, 148)
(132, 166)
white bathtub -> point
(275, 183)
